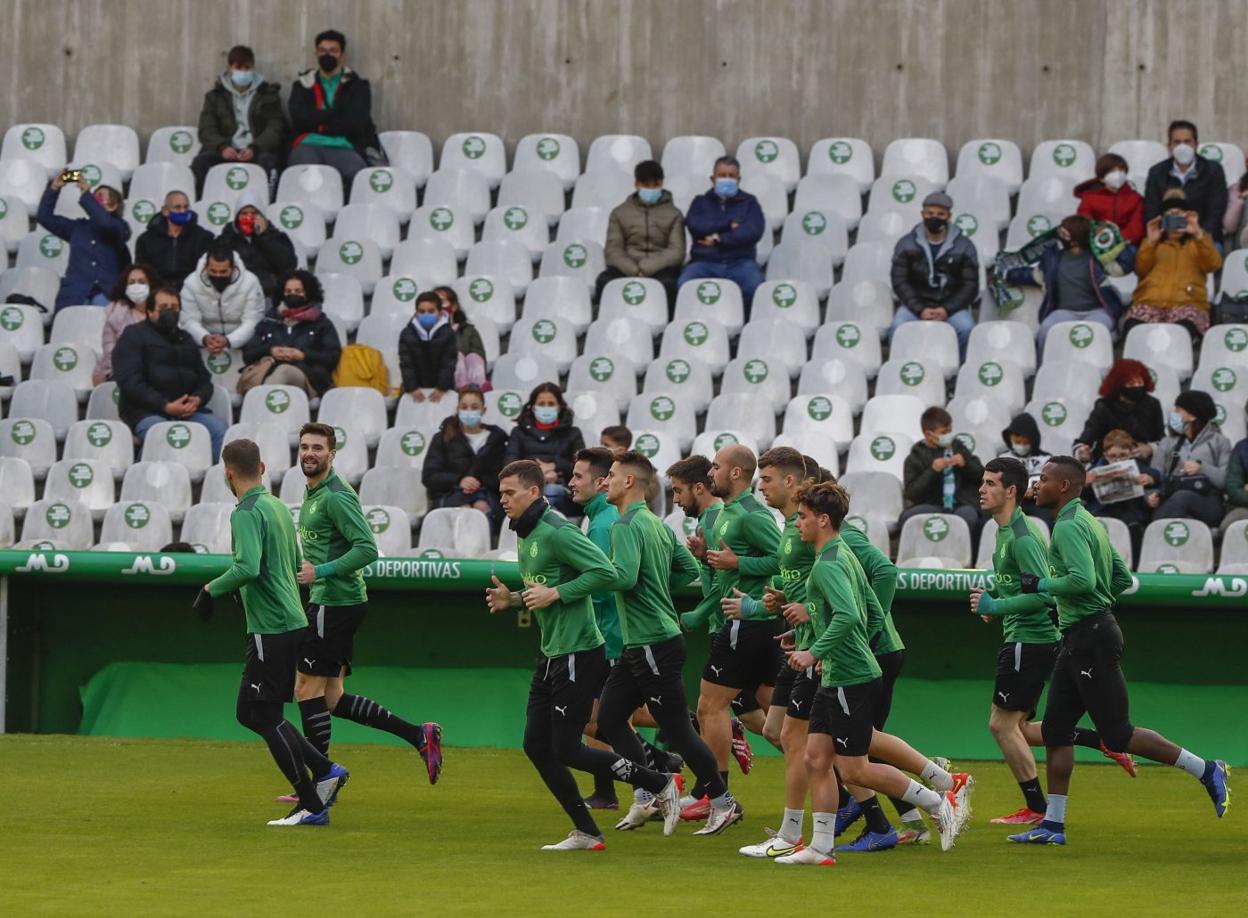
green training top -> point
(795, 559)
(882, 575)
(649, 563)
(557, 554)
(1020, 550)
(747, 527)
(1086, 576)
(602, 516)
(837, 595)
(337, 541)
(707, 612)
(266, 561)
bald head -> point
(732, 470)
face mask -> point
(1134, 393)
(649, 195)
(168, 320)
(242, 78)
(246, 224)
(546, 414)
(1177, 424)
(945, 440)
(470, 419)
(295, 300)
(219, 283)
(1020, 449)
(180, 217)
(935, 224)
(726, 187)
(1184, 154)
(327, 62)
(1115, 180)
(427, 319)
(137, 293)
(102, 198)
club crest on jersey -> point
(533, 550)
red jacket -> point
(1125, 208)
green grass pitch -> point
(104, 827)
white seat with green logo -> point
(801, 259)
(999, 159)
(912, 376)
(660, 447)
(102, 403)
(1160, 344)
(523, 371)
(550, 336)
(1027, 226)
(985, 442)
(78, 325)
(848, 340)
(935, 535)
(1087, 343)
(285, 406)
(357, 256)
(390, 187)
(776, 340)
(303, 223)
(1004, 341)
(215, 489)
(42, 249)
(621, 337)
(830, 197)
(593, 411)
(344, 299)
(274, 443)
(605, 187)
(167, 483)
(584, 224)
(876, 529)
(110, 441)
(481, 297)
(788, 300)
(1061, 420)
(977, 227)
(827, 415)
(506, 258)
(893, 414)
(773, 199)
(605, 372)
(849, 156)
(983, 195)
(150, 184)
(1073, 158)
(686, 376)
(684, 188)
(664, 412)
(814, 443)
(226, 181)
(901, 193)
(66, 522)
(917, 157)
(761, 378)
(641, 300)
(683, 527)
(41, 285)
(14, 220)
(693, 155)
(833, 374)
(714, 298)
(476, 150)
(51, 399)
(456, 532)
(1231, 416)
(777, 157)
(391, 528)
(10, 366)
(1229, 156)
(1176, 546)
(433, 259)
(23, 181)
(988, 541)
(883, 452)
(368, 220)
(1141, 155)
(87, 480)
(711, 440)
(538, 192)
(360, 408)
(174, 143)
(974, 413)
(30, 440)
(462, 190)
(935, 343)
(17, 480)
(351, 444)
(1051, 195)
(883, 226)
(395, 486)
(40, 143)
(557, 154)
(996, 380)
(583, 260)
(426, 415)
(1234, 557)
(519, 224)
(225, 368)
(116, 144)
(704, 339)
(746, 412)
(1166, 386)
(617, 151)
(206, 526)
(411, 151)
(406, 447)
(312, 184)
(143, 525)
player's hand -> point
(801, 659)
(731, 605)
(497, 597)
(723, 560)
(203, 604)
(697, 546)
(539, 596)
(796, 613)
(787, 641)
(1030, 583)
(773, 600)
(307, 573)
(976, 592)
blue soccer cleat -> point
(1218, 788)
(872, 841)
(328, 787)
(847, 815)
(1040, 836)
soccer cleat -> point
(638, 814)
(578, 841)
(722, 818)
(696, 811)
(872, 841)
(809, 857)
(914, 833)
(948, 822)
(301, 817)
(1218, 787)
(595, 802)
(776, 845)
(328, 787)
(688, 799)
(963, 784)
(668, 803)
(1039, 836)
(1122, 758)
(741, 750)
(1024, 817)
(432, 753)
(288, 798)
(847, 815)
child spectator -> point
(1022, 442)
(427, 351)
(1136, 512)
(1109, 199)
(465, 456)
(616, 438)
(470, 362)
(941, 475)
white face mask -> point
(1115, 180)
(137, 293)
(1184, 154)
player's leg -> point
(819, 758)
(1061, 714)
(895, 751)
(715, 720)
(603, 796)
(1007, 731)
(797, 692)
(913, 829)
(314, 711)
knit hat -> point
(938, 199)
(1198, 404)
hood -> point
(428, 335)
(228, 85)
(250, 197)
(308, 77)
(1091, 186)
(1024, 425)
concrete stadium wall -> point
(1026, 70)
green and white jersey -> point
(1086, 576)
(337, 541)
(836, 594)
(882, 575)
(1025, 617)
(795, 559)
(649, 562)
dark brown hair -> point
(527, 470)
(243, 457)
(827, 498)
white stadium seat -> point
(285, 406)
(593, 411)
(405, 448)
(745, 412)
(206, 526)
(775, 340)
(486, 297)
(552, 337)
(935, 535)
(912, 377)
(638, 299)
(431, 258)
(73, 364)
(391, 528)
(1177, 546)
(1000, 159)
(931, 342)
(312, 184)
(620, 337)
(916, 157)
(850, 341)
(386, 186)
(557, 154)
(357, 257)
(697, 339)
(686, 376)
(142, 525)
(537, 191)
(715, 298)
(775, 156)
(362, 409)
(993, 379)
(53, 400)
(1073, 158)
(604, 372)
(575, 259)
(303, 223)
(692, 155)
(23, 180)
(40, 143)
(446, 223)
(506, 258)
(830, 194)
(874, 494)
(479, 151)
(177, 143)
(605, 188)
(116, 144)
(112, 442)
(664, 413)
(584, 224)
(787, 300)
(410, 151)
(274, 443)
(395, 487)
(370, 221)
(1160, 344)
(1088, 343)
(879, 453)
(89, 481)
(518, 224)
(30, 440)
(168, 483)
(617, 151)
(67, 523)
(826, 415)
(1141, 155)
(843, 156)
(17, 479)
(844, 377)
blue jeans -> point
(745, 272)
(1100, 316)
(559, 497)
(962, 321)
(216, 428)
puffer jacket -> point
(153, 368)
(711, 215)
(1210, 448)
(1124, 208)
(558, 445)
(173, 257)
(235, 312)
(923, 485)
(950, 281)
(351, 117)
(97, 247)
(317, 339)
(645, 238)
(218, 124)
(449, 460)
(1176, 273)
(428, 361)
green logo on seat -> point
(1167, 568)
(848, 335)
(219, 213)
(405, 289)
(754, 371)
(1211, 152)
(291, 216)
(91, 172)
(441, 219)
(11, 318)
(989, 153)
(1053, 414)
(219, 362)
(378, 520)
(481, 290)
(662, 408)
(967, 224)
(80, 475)
(840, 152)
(350, 252)
(181, 142)
(137, 516)
(678, 370)
(178, 436)
(1064, 155)
(784, 295)
(936, 528)
(634, 293)
(912, 373)
(412, 443)
(236, 178)
(381, 180)
(99, 435)
(696, 334)
(766, 151)
(601, 369)
(966, 440)
(709, 292)
(990, 373)
(340, 437)
(1236, 339)
(904, 191)
(725, 439)
(1081, 335)
(515, 218)
(544, 331)
(814, 223)
(58, 515)
(143, 210)
(509, 404)
(1038, 225)
(1223, 379)
(819, 408)
(647, 444)
(50, 246)
(277, 401)
(547, 148)
(473, 147)
(1176, 533)
(33, 138)
(65, 358)
(883, 448)
(575, 255)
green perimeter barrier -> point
(106, 643)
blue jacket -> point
(97, 248)
(1044, 274)
(710, 214)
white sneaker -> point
(947, 820)
(301, 817)
(776, 845)
(809, 857)
(722, 818)
(640, 813)
(578, 841)
(668, 802)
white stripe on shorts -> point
(840, 696)
(571, 667)
(654, 666)
(320, 622)
(733, 631)
(1018, 657)
(259, 648)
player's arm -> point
(594, 571)
(839, 624)
(880, 571)
(348, 519)
(1032, 558)
(1120, 578)
(685, 567)
(245, 532)
(763, 538)
(1076, 554)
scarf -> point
(524, 524)
(1107, 245)
(308, 313)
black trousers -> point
(1087, 678)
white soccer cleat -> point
(948, 822)
(776, 845)
(808, 857)
(578, 841)
(643, 809)
(963, 784)
(301, 817)
(668, 802)
(688, 800)
(721, 818)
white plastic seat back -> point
(829, 194)
(410, 151)
(426, 415)
(1142, 155)
(1234, 556)
(984, 195)
(775, 156)
(1088, 343)
(777, 341)
(42, 249)
(216, 491)
(23, 180)
(286, 406)
(539, 192)
(14, 220)
(357, 257)
(916, 157)
(1158, 344)
(116, 144)
(461, 190)
(843, 156)
(22, 328)
(605, 188)
(369, 221)
(361, 409)
(506, 258)
(639, 299)
(557, 154)
(395, 487)
(87, 480)
(40, 143)
(313, 184)
(931, 342)
(593, 411)
(30, 440)
(78, 325)
(935, 535)
(874, 495)
(605, 372)
(692, 155)
(665, 413)
(884, 226)
(392, 530)
(386, 186)
(998, 158)
(583, 260)
(70, 363)
(686, 376)
(1060, 421)
(819, 226)
(206, 527)
(827, 415)
(787, 300)
(716, 298)
(168, 483)
(620, 337)
(617, 151)
(551, 337)
(51, 399)
(303, 223)
(992, 379)
(176, 143)
(518, 224)
(404, 447)
(660, 447)
(226, 181)
(846, 378)
(879, 453)
(893, 414)
(479, 151)
(766, 381)
(705, 340)
(1174, 546)
(922, 378)
(806, 261)
(274, 443)
(773, 200)
(846, 340)
(67, 523)
(584, 224)
(1005, 342)
(1056, 378)
(108, 441)
(1073, 158)
(142, 525)
(745, 412)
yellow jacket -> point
(1175, 274)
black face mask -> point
(1134, 393)
(219, 283)
(327, 62)
(167, 321)
(295, 300)
(935, 224)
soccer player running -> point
(1086, 577)
(649, 563)
(561, 568)
(842, 718)
(337, 545)
(1031, 640)
(266, 559)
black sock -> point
(656, 758)
(844, 798)
(874, 814)
(724, 775)
(316, 723)
(1033, 795)
(287, 748)
(902, 807)
(369, 713)
(604, 787)
(1089, 738)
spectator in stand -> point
(428, 351)
(1076, 284)
(127, 305)
(1110, 199)
(97, 242)
(222, 302)
(241, 121)
(266, 251)
(331, 112)
(1235, 222)
(296, 340)
(470, 367)
(1126, 403)
(1022, 442)
(159, 373)
(464, 458)
(645, 235)
(544, 432)
(1137, 512)
(173, 242)
(1174, 265)
(935, 273)
(1237, 484)
(941, 475)
(1193, 459)
(725, 224)
(616, 438)
(1201, 180)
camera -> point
(1173, 223)
(70, 176)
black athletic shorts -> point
(890, 669)
(784, 686)
(329, 642)
(745, 702)
(745, 655)
(564, 688)
(1087, 678)
(1022, 671)
(847, 714)
(269, 667)
(650, 675)
(802, 694)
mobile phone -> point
(1173, 223)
